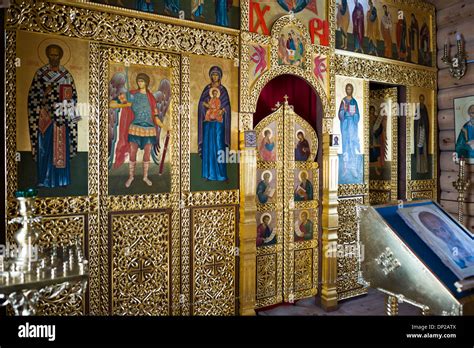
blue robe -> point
(214, 136)
(51, 173)
(261, 187)
(466, 134)
(222, 17)
(302, 150)
(344, 7)
(349, 129)
(142, 5)
(172, 6)
(198, 10)
(48, 174)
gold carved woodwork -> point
(420, 189)
(141, 266)
(104, 25)
(297, 261)
(383, 70)
(144, 202)
(99, 23)
(304, 270)
(378, 197)
(300, 258)
(213, 261)
(269, 258)
(267, 276)
(382, 191)
(62, 231)
(69, 301)
(348, 262)
(133, 29)
(249, 93)
(329, 224)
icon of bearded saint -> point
(52, 116)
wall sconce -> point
(457, 64)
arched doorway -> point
(288, 124)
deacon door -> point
(287, 208)
(383, 175)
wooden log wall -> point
(453, 15)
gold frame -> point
(359, 189)
(388, 186)
(422, 189)
(291, 248)
(264, 252)
(286, 248)
(107, 25)
(122, 203)
(342, 63)
(113, 26)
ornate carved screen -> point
(287, 202)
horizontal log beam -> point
(468, 47)
(446, 162)
(447, 96)
(442, 4)
(447, 140)
(464, 27)
(455, 14)
(446, 182)
(453, 196)
(445, 80)
(446, 119)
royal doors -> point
(287, 208)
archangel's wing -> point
(117, 86)
(163, 99)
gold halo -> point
(205, 73)
(302, 131)
(263, 215)
(301, 172)
(301, 213)
(214, 89)
(346, 82)
(41, 50)
(132, 79)
(465, 110)
(265, 129)
(269, 172)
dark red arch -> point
(301, 95)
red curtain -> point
(300, 94)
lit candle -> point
(458, 37)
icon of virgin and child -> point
(214, 121)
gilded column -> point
(247, 223)
(329, 225)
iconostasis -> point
(134, 119)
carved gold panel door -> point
(383, 175)
(287, 208)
